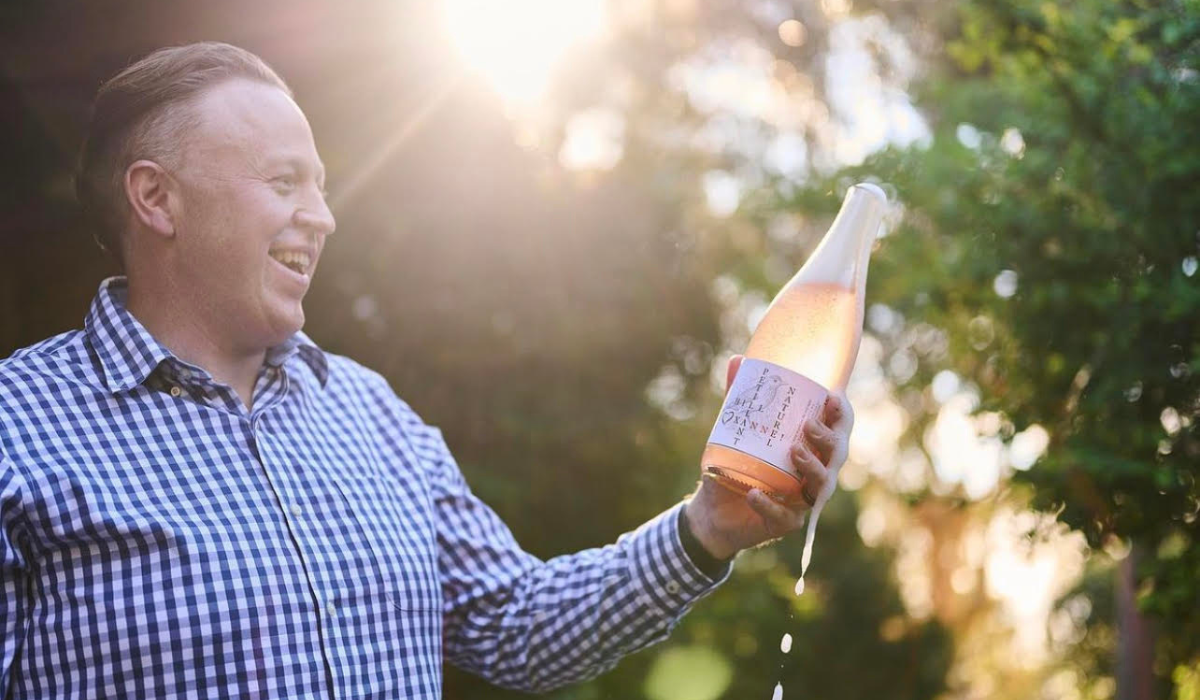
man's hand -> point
(726, 523)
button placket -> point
(284, 488)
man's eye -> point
(284, 183)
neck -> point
(187, 332)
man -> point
(196, 501)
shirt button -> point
(331, 609)
(296, 510)
(176, 391)
(672, 587)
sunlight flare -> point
(516, 46)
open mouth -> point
(296, 261)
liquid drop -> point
(786, 644)
(778, 694)
(800, 586)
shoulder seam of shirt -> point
(47, 359)
(49, 347)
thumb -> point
(734, 363)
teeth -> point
(296, 260)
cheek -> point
(252, 223)
(236, 233)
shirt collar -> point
(128, 354)
(300, 344)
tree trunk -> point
(1135, 638)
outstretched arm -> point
(533, 625)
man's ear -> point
(152, 195)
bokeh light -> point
(792, 32)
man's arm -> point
(532, 625)
(13, 603)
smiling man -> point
(197, 501)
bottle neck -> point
(841, 258)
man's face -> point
(252, 219)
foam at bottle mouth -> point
(874, 189)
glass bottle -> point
(804, 346)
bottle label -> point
(765, 411)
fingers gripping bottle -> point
(804, 346)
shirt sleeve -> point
(535, 625)
(13, 603)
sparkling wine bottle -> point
(804, 346)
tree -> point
(1052, 231)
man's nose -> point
(314, 215)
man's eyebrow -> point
(300, 165)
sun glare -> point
(517, 45)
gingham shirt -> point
(159, 540)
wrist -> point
(694, 519)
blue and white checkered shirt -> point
(159, 540)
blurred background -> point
(557, 220)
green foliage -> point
(1092, 609)
(688, 673)
(1094, 208)
(852, 638)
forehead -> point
(252, 120)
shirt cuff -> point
(669, 578)
(701, 557)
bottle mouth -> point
(863, 207)
(874, 189)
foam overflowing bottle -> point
(804, 346)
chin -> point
(284, 326)
(288, 330)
